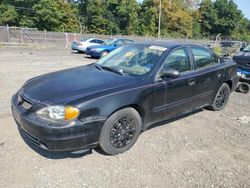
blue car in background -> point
(98, 51)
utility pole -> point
(159, 21)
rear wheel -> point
(221, 98)
(120, 131)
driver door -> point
(174, 96)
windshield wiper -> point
(113, 70)
(98, 66)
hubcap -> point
(122, 132)
(221, 98)
(104, 54)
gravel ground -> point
(205, 149)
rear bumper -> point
(74, 47)
(54, 137)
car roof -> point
(93, 38)
(119, 39)
(167, 44)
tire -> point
(104, 53)
(243, 88)
(221, 98)
(117, 137)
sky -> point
(243, 5)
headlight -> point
(59, 113)
(239, 73)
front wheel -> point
(104, 53)
(120, 131)
(221, 98)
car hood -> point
(242, 56)
(68, 85)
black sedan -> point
(109, 103)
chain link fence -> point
(17, 36)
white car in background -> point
(84, 43)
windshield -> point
(83, 40)
(109, 42)
(247, 49)
(132, 59)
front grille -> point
(23, 102)
(27, 135)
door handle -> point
(191, 82)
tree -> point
(228, 17)
(8, 14)
(148, 18)
(127, 16)
(177, 21)
(180, 18)
(221, 17)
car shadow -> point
(89, 57)
(74, 52)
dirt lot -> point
(206, 149)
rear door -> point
(208, 75)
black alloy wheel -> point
(120, 131)
(221, 98)
(123, 132)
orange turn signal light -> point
(70, 113)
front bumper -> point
(81, 49)
(93, 53)
(56, 136)
(244, 75)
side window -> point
(93, 41)
(119, 42)
(203, 58)
(99, 41)
(128, 41)
(179, 60)
(215, 59)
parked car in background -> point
(242, 58)
(74, 45)
(108, 46)
(109, 103)
(83, 44)
(229, 48)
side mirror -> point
(169, 73)
(241, 49)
